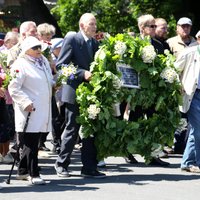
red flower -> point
(47, 42)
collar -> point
(84, 36)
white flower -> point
(148, 54)
(100, 54)
(120, 48)
(117, 83)
(93, 111)
(166, 52)
(169, 75)
(67, 71)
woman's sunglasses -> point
(36, 47)
(151, 26)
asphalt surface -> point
(123, 182)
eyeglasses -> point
(151, 26)
(36, 47)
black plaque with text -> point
(130, 77)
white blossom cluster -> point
(69, 70)
(169, 75)
(100, 54)
(117, 83)
(93, 111)
(148, 54)
(120, 48)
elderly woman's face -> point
(149, 29)
(46, 37)
(35, 51)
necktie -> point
(89, 45)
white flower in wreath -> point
(166, 52)
(100, 54)
(117, 83)
(148, 54)
(169, 75)
(93, 111)
(120, 48)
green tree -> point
(113, 15)
(117, 16)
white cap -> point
(30, 42)
(56, 43)
(184, 20)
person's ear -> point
(82, 26)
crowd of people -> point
(32, 106)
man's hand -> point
(88, 75)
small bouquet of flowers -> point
(4, 71)
(66, 72)
(5, 75)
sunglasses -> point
(36, 47)
(151, 26)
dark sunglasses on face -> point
(36, 47)
(151, 26)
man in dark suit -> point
(79, 49)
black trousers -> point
(28, 163)
(69, 138)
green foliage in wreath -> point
(159, 92)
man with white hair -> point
(27, 28)
(177, 44)
(183, 38)
(79, 49)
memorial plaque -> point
(130, 77)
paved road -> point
(123, 182)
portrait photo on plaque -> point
(129, 76)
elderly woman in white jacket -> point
(30, 89)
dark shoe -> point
(44, 148)
(158, 162)
(131, 159)
(92, 174)
(61, 171)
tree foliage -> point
(114, 16)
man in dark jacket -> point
(78, 49)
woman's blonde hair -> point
(46, 29)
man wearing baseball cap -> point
(183, 38)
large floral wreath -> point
(159, 88)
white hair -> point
(24, 27)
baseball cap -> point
(184, 20)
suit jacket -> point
(159, 48)
(75, 50)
